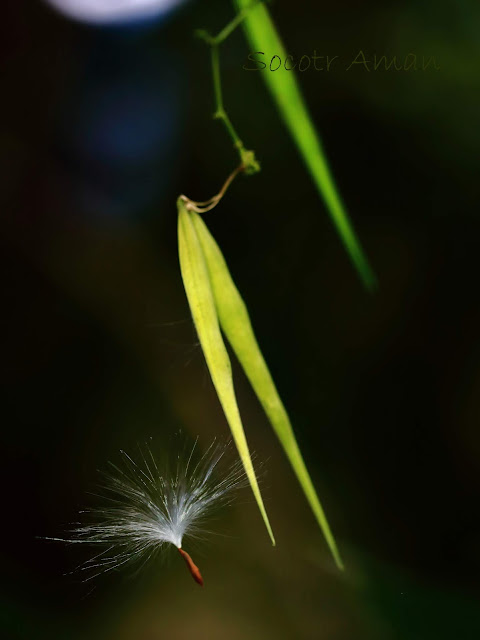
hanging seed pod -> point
(200, 298)
(237, 327)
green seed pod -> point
(196, 280)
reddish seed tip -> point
(192, 567)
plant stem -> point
(233, 24)
(247, 157)
(220, 112)
(211, 203)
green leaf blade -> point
(236, 325)
(199, 293)
(283, 85)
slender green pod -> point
(237, 327)
(196, 280)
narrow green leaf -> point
(236, 325)
(263, 37)
(202, 305)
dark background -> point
(101, 129)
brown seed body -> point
(192, 567)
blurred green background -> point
(101, 129)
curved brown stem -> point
(207, 205)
